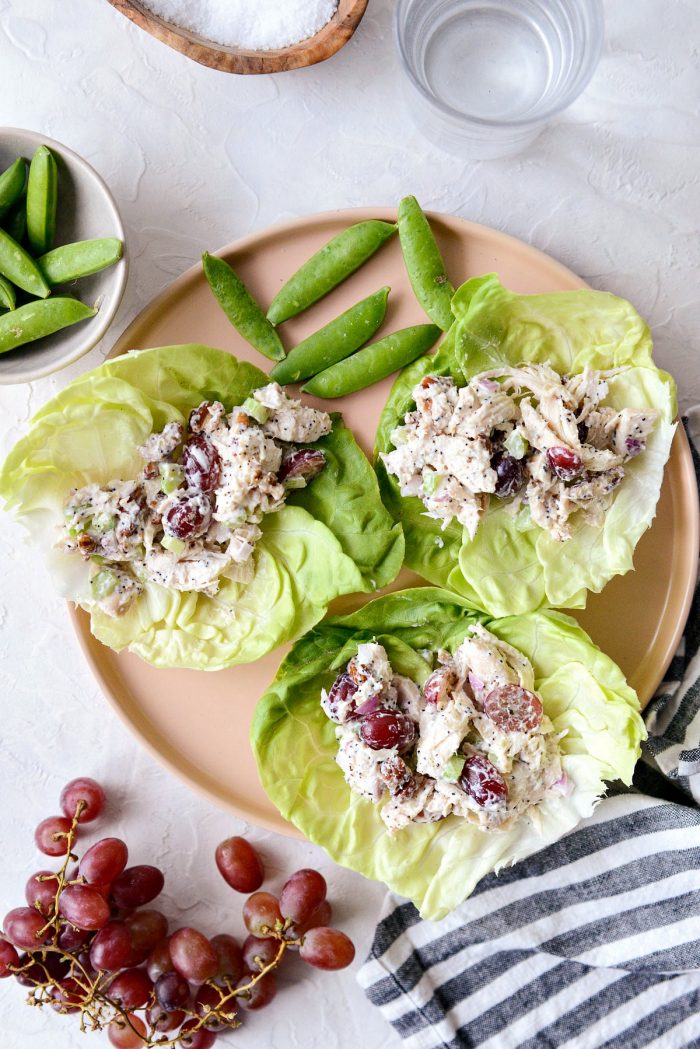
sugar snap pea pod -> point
(19, 267)
(15, 221)
(241, 308)
(424, 263)
(12, 183)
(42, 198)
(335, 261)
(80, 259)
(7, 294)
(39, 318)
(334, 342)
(374, 362)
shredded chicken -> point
(191, 518)
(473, 741)
(527, 435)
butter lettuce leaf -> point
(512, 565)
(332, 538)
(437, 865)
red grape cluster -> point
(90, 945)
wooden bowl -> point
(307, 52)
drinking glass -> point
(485, 76)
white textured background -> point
(197, 158)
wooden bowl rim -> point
(227, 58)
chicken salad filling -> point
(473, 741)
(192, 516)
(543, 442)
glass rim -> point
(581, 81)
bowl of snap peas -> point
(62, 264)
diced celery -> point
(174, 545)
(102, 523)
(516, 445)
(523, 520)
(399, 436)
(171, 476)
(431, 481)
(103, 584)
(294, 482)
(453, 768)
(97, 559)
(256, 410)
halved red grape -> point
(326, 948)
(387, 729)
(147, 929)
(259, 953)
(104, 861)
(111, 948)
(483, 782)
(566, 464)
(22, 927)
(239, 864)
(513, 708)
(202, 463)
(301, 895)
(195, 1039)
(439, 685)
(510, 474)
(124, 1036)
(40, 891)
(340, 696)
(159, 961)
(261, 913)
(8, 957)
(51, 835)
(230, 956)
(306, 463)
(260, 994)
(188, 517)
(131, 988)
(84, 907)
(172, 991)
(137, 886)
(89, 792)
(193, 956)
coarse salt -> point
(259, 25)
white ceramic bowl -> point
(86, 209)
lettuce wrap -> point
(513, 566)
(333, 537)
(437, 865)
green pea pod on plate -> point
(241, 308)
(374, 362)
(424, 263)
(18, 266)
(40, 318)
(11, 184)
(80, 259)
(335, 341)
(328, 267)
(42, 200)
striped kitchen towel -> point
(593, 943)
